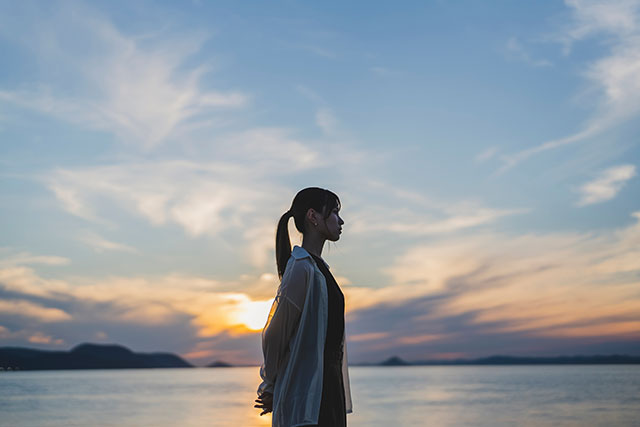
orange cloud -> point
(40, 338)
(29, 309)
(147, 301)
(368, 337)
(555, 285)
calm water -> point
(393, 396)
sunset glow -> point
(486, 157)
(253, 314)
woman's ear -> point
(311, 216)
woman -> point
(305, 378)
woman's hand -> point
(265, 402)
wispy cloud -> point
(310, 94)
(40, 338)
(416, 214)
(203, 198)
(612, 77)
(416, 225)
(606, 185)
(33, 337)
(327, 121)
(487, 154)
(508, 290)
(100, 244)
(241, 191)
(23, 308)
(380, 71)
(26, 258)
(142, 89)
(516, 50)
(196, 196)
(592, 17)
(477, 294)
(207, 309)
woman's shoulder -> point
(299, 266)
(296, 280)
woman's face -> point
(332, 226)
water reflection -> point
(402, 396)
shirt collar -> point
(300, 252)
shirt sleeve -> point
(282, 324)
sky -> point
(486, 155)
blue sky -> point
(486, 156)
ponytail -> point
(283, 243)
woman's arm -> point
(281, 326)
(275, 341)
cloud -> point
(592, 17)
(607, 185)
(72, 202)
(415, 225)
(486, 154)
(267, 150)
(128, 308)
(23, 308)
(32, 337)
(310, 94)
(203, 198)
(326, 120)
(100, 244)
(416, 214)
(613, 77)
(26, 258)
(516, 50)
(477, 294)
(382, 71)
(486, 293)
(143, 89)
(40, 338)
(240, 191)
(262, 237)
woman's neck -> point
(313, 244)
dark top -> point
(335, 320)
(332, 406)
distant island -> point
(113, 356)
(614, 359)
(219, 364)
(86, 356)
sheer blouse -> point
(293, 344)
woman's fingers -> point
(264, 404)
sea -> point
(572, 395)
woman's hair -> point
(319, 199)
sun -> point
(253, 314)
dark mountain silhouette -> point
(614, 359)
(219, 364)
(86, 356)
(395, 361)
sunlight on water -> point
(394, 396)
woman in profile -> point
(305, 378)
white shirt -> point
(293, 344)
